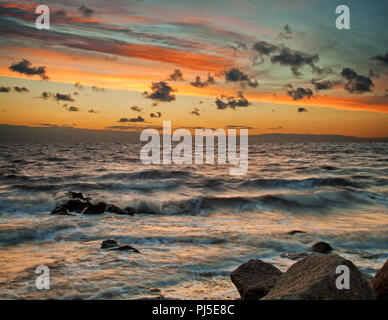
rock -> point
(98, 208)
(291, 233)
(314, 278)
(109, 243)
(125, 248)
(295, 255)
(321, 247)
(76, 205)
(61, 210)
(114, 209)
(76, 195)
(380, 283)
(130, 210)
(254, 279)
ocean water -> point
(194, 223)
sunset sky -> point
(270, 66)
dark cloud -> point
(253, 83)
(161, 91)
(93, 111)
(86, 12)
(381, 58)
(5, 89)
(276, 128)
(265, 48)
(195, 112)
(201, 84)
(323, 85)
(356, 83)
(286, 33)
(138, 119)
(24, 67)
(97, 89)
(235, 75)
(61, 13)
(232, 102)
(73, 109)
(294, 59)
(155, 115)
(302, 109)
(176, 75)
(62, 97)
(136, 109)
(300, 93)
(234, 126)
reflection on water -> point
(194, 223)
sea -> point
(193, 225)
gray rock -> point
(380, 283)
(109, 243)
(321, 247)
(314, 278)
(254, 279)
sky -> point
(270, 66)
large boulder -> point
(110, 243)
(98, 208)
(314, 278)
(254, 279)
(76, 205)
(321, 247)
(380, 283)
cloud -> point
(5, 89)
(286, 33)
(161, 91)
(24, 67)
(235, 75)
(300, 93)
(201, 84)
(195, 112)
(136, 109)
(97, 89)
(73, 109)
(295, 59)
(176, 75)
(20, 89)
(381, 58)
(63, 97)
(86, 12)
(232, 102)
(93, 111)
(138, 119)
(323, 85)
(265, 48)
(233, 126)
(155, 115)
(302, 109)
(276, 128)
(356, 83)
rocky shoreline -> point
(316, 275)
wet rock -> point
(76, 195)
(61, 211)
(294, 255)
(314, 278)
(76, 205)
(109, 243)
(130, 210)
(98, 208)
(254, 279)
(380, 283)
(114, 209)
(293, 232)
(321, 247)
(126, 248)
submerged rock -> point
(293, 232)
(254, 279)
(321, 247)
(294, 255)
(98, 208)
(125, 248)
(380, 283)
(109, 243)
(130, 210)
(114, 209)
(61, 211)
(314, 278)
